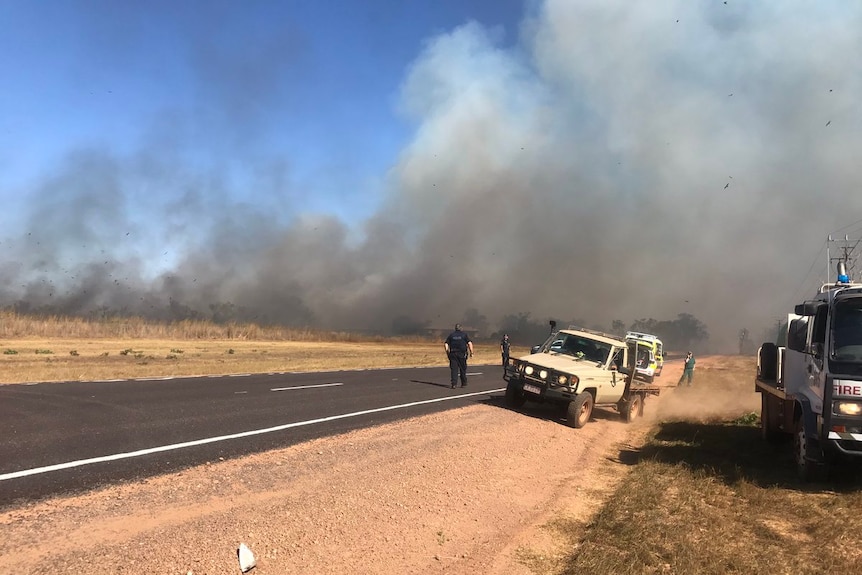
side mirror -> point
(808, 308)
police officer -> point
(504, 350)
(457, 346)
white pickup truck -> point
(579, 369)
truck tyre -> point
(650, 378)
(514, 395)
(768, 361)
(580, 410)
(768, 428)
(807, 469)
(633, 408)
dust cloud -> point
(706, 404)
(614, 161)
(722, 389)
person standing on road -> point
(504, 350)
(688, 370)
(457, 346)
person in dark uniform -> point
(688, 370)
(504, 350)
(457, 346)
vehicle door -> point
(611, 382)
(621, 363)
(815, 373)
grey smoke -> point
(594, 168)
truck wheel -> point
(808, 470)
(768, 428)
(650, 378)
(514, 395)
(769, 361)
(580, 410)
(633, 408)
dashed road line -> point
(306, 386)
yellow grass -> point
(14, 325)
(57, 348)
(101, 359)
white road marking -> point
(216, 376)
(239, 392)
(183, 445)
(305, 386)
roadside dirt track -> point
(466, 491)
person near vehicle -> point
(504, 350)
(688, 370)
(458, 345)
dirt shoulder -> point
(466, 491)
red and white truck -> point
(811, 388)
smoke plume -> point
(617, 160)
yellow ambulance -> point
(650, 355)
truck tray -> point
(648, 388)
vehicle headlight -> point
(847, 408)
(528, 370)
(562, 380)
(543, 374)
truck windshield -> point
(847, 330)
(577, 346)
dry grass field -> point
(707, 495)
(71, 349)
(61, 359)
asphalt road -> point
(70, 437)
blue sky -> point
(314, 85)
(358, 164)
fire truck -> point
(811, 387)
